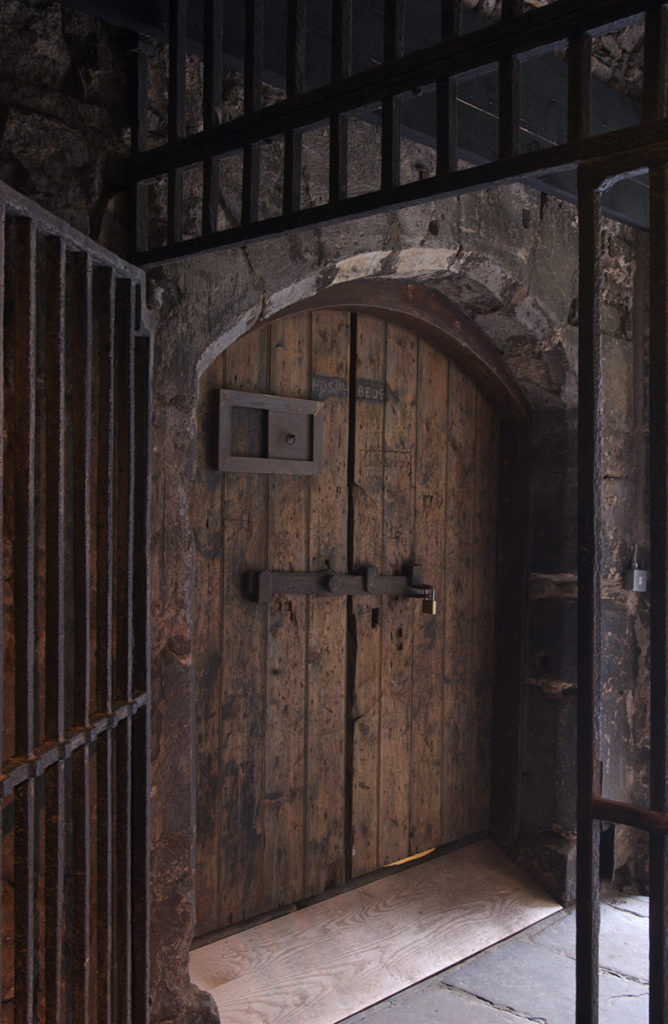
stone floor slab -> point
(538, 982)
(434, 1004)
(624, 942)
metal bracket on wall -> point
(269, 434)
(261, 586)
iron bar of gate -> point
(212, 100)
(24, 446)
(141, 728)
(80, 315)
(253, 49)
(394, 23)
(294, 82)
(124, 471)
(342, 21)
(81, 885)
(54, 668)
(138, 193)
(2, 513)
(589, 628)
(658, 480)
(446, 96)
(655, 65)
(579, 87)
(176, 112)
(123, 874)
(105, 877)
(509, 91)
(104, 323)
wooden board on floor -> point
(328, 961)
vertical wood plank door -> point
(337, 735)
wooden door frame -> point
(443, 324)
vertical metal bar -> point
(509, 92)
(139, 142)
(446, 96)
(54, 884)
(393, 46)
(589, 625)
(55, 811)
(80, 303)
(140, 866)
(579, 88)
(295, 81)
(23, 442)
(81, 886)
(3, 261)
(253, 51)
(342, 27)
(55, 488)
(178, 28)
(141, 726)
(655, 69)
(446, 130)
(104, 906)
(141, 610)
(123, 844)
(213, 67)
(104, 306)
(176, 127)
(124, 472)
(658, 469)
(24, 903)
(451, 18)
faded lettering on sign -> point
(328, 387)
(370, 390)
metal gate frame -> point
(76, 363)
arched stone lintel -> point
(436, 319)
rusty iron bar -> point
(212, 100)
(341, 57)
(589, 625)
(658, 481)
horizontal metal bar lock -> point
(261, 586)
(269, 434)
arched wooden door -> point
(339, 734)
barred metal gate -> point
(76, 360)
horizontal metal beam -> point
(47, 754)
(527, 167)
(628, 814)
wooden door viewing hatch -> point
(336, 735)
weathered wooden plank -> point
(341, 955)
(484, 577)
(243, 671)
(288, 510)
(399, 614)
(458, 610)
(327, 620)
(207, 511)
(429, 640)
(367, 505)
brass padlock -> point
(429, 602)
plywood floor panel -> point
(328, 961)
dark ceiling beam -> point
(544, 83)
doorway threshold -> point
(327, 961)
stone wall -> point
(508, 258)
